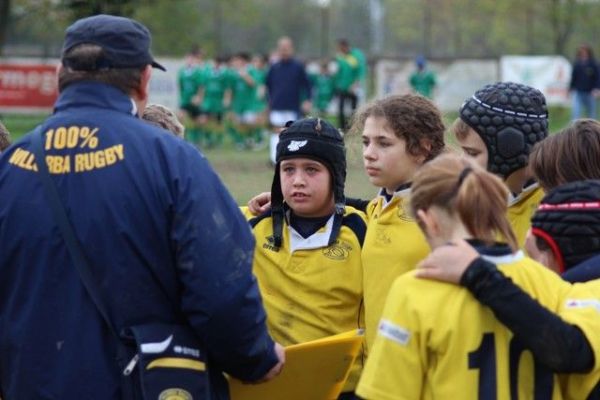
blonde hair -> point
(460, 187)
(161, 116)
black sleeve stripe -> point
(254, 221)
(357, 225)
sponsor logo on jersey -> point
(295, 145)
(338, 251)
(584, 303)
(270, 244)
(394, 332)
(175, 394)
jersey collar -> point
(317, 240)
(402, 192)
(526, 192)
(498, 253)
(95, 95)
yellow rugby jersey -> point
(311, 290)
(435, 341)
(394, 244)
(586, 297)
(521, 209)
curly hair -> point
(411, 117)
(4, 137)
(163, 117)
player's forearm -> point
(556, 344)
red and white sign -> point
(27, 87)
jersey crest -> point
(340, 250)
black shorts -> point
(218, 116)
(192, 110)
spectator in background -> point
(286, 83)
(346, 80)
(584, 82)
(163, 117)
(423, 81)
(4, 138)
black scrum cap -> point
(321, 141)
(510, 118)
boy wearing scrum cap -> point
(565, 231)
(498, 127)
(307, 257)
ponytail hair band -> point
(465, 172)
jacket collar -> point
(95, 95)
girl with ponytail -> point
(472, 203)
(435, 340)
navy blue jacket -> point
(585, 76)
(166, 242)
(287, 83)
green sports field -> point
(247, 172)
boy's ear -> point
(426, 146)
(428, 222)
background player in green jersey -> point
(244, 84)
(346, 79)
(323, 86)
(215, 98)
(361, 86)
(260, 62)
(189, 79)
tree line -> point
(383, 28)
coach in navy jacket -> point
(165, 240)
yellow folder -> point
(314, 370)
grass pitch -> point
(246, 172)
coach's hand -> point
(447, 263)
(276, 370)
(260, 203)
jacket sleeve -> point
(556, 344)
(214, 249)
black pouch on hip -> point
(168, 364)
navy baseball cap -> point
(126, 43)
